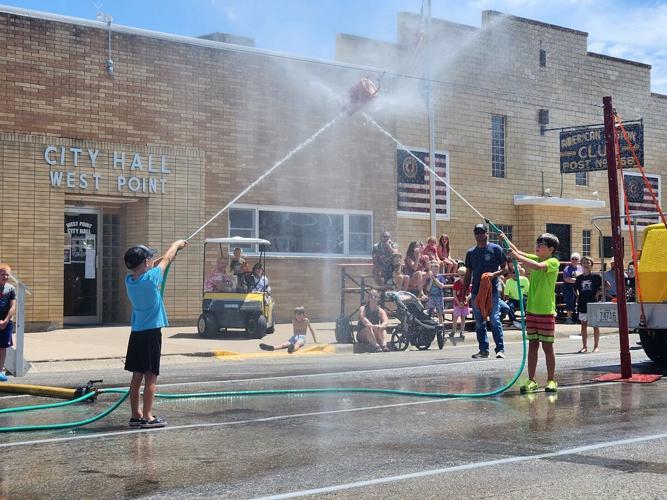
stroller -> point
(416, 326)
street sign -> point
(584, 149)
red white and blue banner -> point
(413, 181)
(639, 197)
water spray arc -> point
(359, 95)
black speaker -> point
(543, 117)
(608, 247)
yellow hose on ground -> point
(41, 390)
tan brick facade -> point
(496, 70)
(223, 115)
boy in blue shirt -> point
(148, 317)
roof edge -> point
(488, 13)
(619, 59)
(159, 35)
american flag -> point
(639, 196)
(414, 182)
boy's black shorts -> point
(6, 337)
(143, 351)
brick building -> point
(93, 162)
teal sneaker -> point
(552, 386)
(3, 377)
(529, 386)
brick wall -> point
(230, 115)
(495, 70)
(238, 113)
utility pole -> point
(614, 205)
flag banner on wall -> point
(414, 183)
(639, 197)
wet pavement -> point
(590, 439)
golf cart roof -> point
(238, 241)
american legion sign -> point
(584, 149)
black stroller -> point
(416, 327)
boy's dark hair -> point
(550, 240)
(257, 266)
(587, 259)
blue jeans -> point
(570, 298)
(496, 325)
(514, 306)
(505, 309)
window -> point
(360, 234)
(543, 58)
(304, 231)
(242, 223)
(586, 242)
(493, 235)
(498, 146)
(581, 179)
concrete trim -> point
(618, 59)
(553, 201)
(495, 13)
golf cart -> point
(237, 306)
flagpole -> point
(431, 118)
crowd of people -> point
(434, 276)
(486, 284)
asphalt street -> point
(590, 439)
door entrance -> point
(562, 231)
(82, 244)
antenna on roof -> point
(105, 18)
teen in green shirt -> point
(541, 308)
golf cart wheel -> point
(654, 343)
(399, 341)
(272, 328)
(256, 327)
(207, 325)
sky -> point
(629, 29)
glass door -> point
(82, 244)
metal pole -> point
(431, 119)
(19, 365)
(612, 176)
(601, 251)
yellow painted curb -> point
(220, 354)
(305, 351)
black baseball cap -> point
(137, 254)
(479, 228)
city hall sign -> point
(77, 168)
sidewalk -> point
(108, 342)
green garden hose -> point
(269, 392)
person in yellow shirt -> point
(511, 293)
